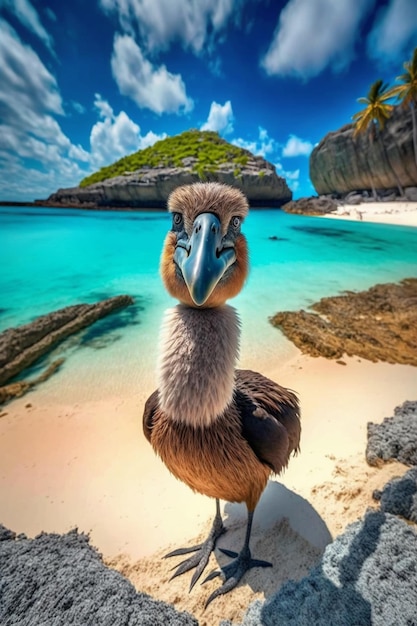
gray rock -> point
(395, 438)
(367, 577)
(411, 194)
(60, 580)
(353, 198)
(311, 206)
(399, 496)
(341, 163)
(150, 188)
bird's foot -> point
(233, 572)
(202, 552)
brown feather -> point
(222, 200)
(277, 401)
(216, 461)
(231, 459)
(151, 406)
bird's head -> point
(205, 260)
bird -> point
(223, 431)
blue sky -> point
(83, 83)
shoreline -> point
(88, 465)
(395, 213)
(398, 213)
(73, 455)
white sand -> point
(90, 466)
(399, 213)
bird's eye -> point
(236, 220)
(177, 220)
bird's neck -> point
(198, 353)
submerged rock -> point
(20, 347)
(20, 387)
(379, 324)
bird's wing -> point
(151, 406)
(270, 418)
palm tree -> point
(407, 93)
(373, 117)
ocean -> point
(51, 258)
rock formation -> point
(150, 187)
(340, 163)
(22, 346)
(310, 206)
(395, 438)
(379, 324)
(61, 579)
(145, 178)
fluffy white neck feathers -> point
(197, 359)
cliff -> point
(146, 178)
(341, 163)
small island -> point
(145, 179)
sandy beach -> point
(87, 464)
(401, 213)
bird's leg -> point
(234, 571)
(202, 551)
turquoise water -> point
(51, 258)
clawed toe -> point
(233, 572)
(199, 560)
(181, 551)
(201, 554)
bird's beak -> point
(204, 257)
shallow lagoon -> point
(52, 258)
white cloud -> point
(29, 98)
(150, 87)
(36, 157)
(24, 77)
(194, 23)
(19, 181)
(115, 136)
(270, 149)
(28, 16)
(291, 176)
(394, 30)
(262, 146)
(220, 118)
(311, 35)
(296, 147)
(78, 107)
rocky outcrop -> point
(310, 206)
(62, 579)
(379, 324)
(395, 438)
(23, 345)
(150, 187)
(341, 163)
(399, 496)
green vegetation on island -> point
(205, 149)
